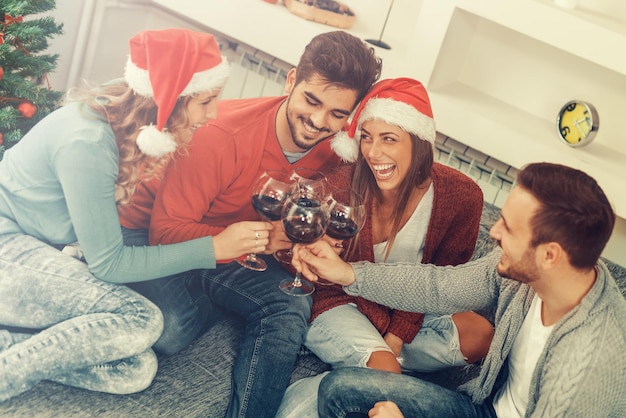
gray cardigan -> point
(581, 370)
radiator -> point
(255, 73)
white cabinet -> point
(499, 71)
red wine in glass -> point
(346, 218)
(305, 218)
(314, 183)
(305, 223)
(347, 214)
(268, 197)
(267, 206)
(341, 228)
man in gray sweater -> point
(559, 348)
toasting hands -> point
(320, 260)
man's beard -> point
(523, 271)
(299, 142)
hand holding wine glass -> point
(305, 218)
(319, 260)
(240, 238)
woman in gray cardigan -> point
(560, 319)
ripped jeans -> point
(344, 337)
(58, 322)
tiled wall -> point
(254, 74)
(494, 177)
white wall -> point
(94, 45)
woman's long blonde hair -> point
(127, 112)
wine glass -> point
(346, 217)
(315, 182)
(305, 218)
(268, 197)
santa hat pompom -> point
(155, 143)
(345, 147)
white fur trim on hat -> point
(155, 143)
(400, 114)
(345, 147)
(212, 79)
(208, 80)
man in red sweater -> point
(208, 193)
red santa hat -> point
(165, 65)
(402, 102)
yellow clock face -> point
(577, 123)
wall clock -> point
(577, 123)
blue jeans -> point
(344, 337)
(187, 311)
(275, 324)
(58, 322)
(351, 392)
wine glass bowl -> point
(346, 218)
(312, 182)
(305, 219)
(267, 206)
(268, 197)
(347, 214)
(270, 193)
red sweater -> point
(137, 214)
(450, 240)
(211, 188)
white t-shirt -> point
(409, 244)
(512, 399)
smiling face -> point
(315, 110)
(387, 150)
(199, 109)
(513, 232)
(202, 108)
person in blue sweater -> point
(66, 319)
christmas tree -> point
(25, 93)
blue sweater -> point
(58, 185)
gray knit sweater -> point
(582, 370)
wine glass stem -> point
(297, 281)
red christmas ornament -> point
(1, 73)
(27, 109)
(1, 139)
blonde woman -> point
(65, 319)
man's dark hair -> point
(340, 59)
(574, 211)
